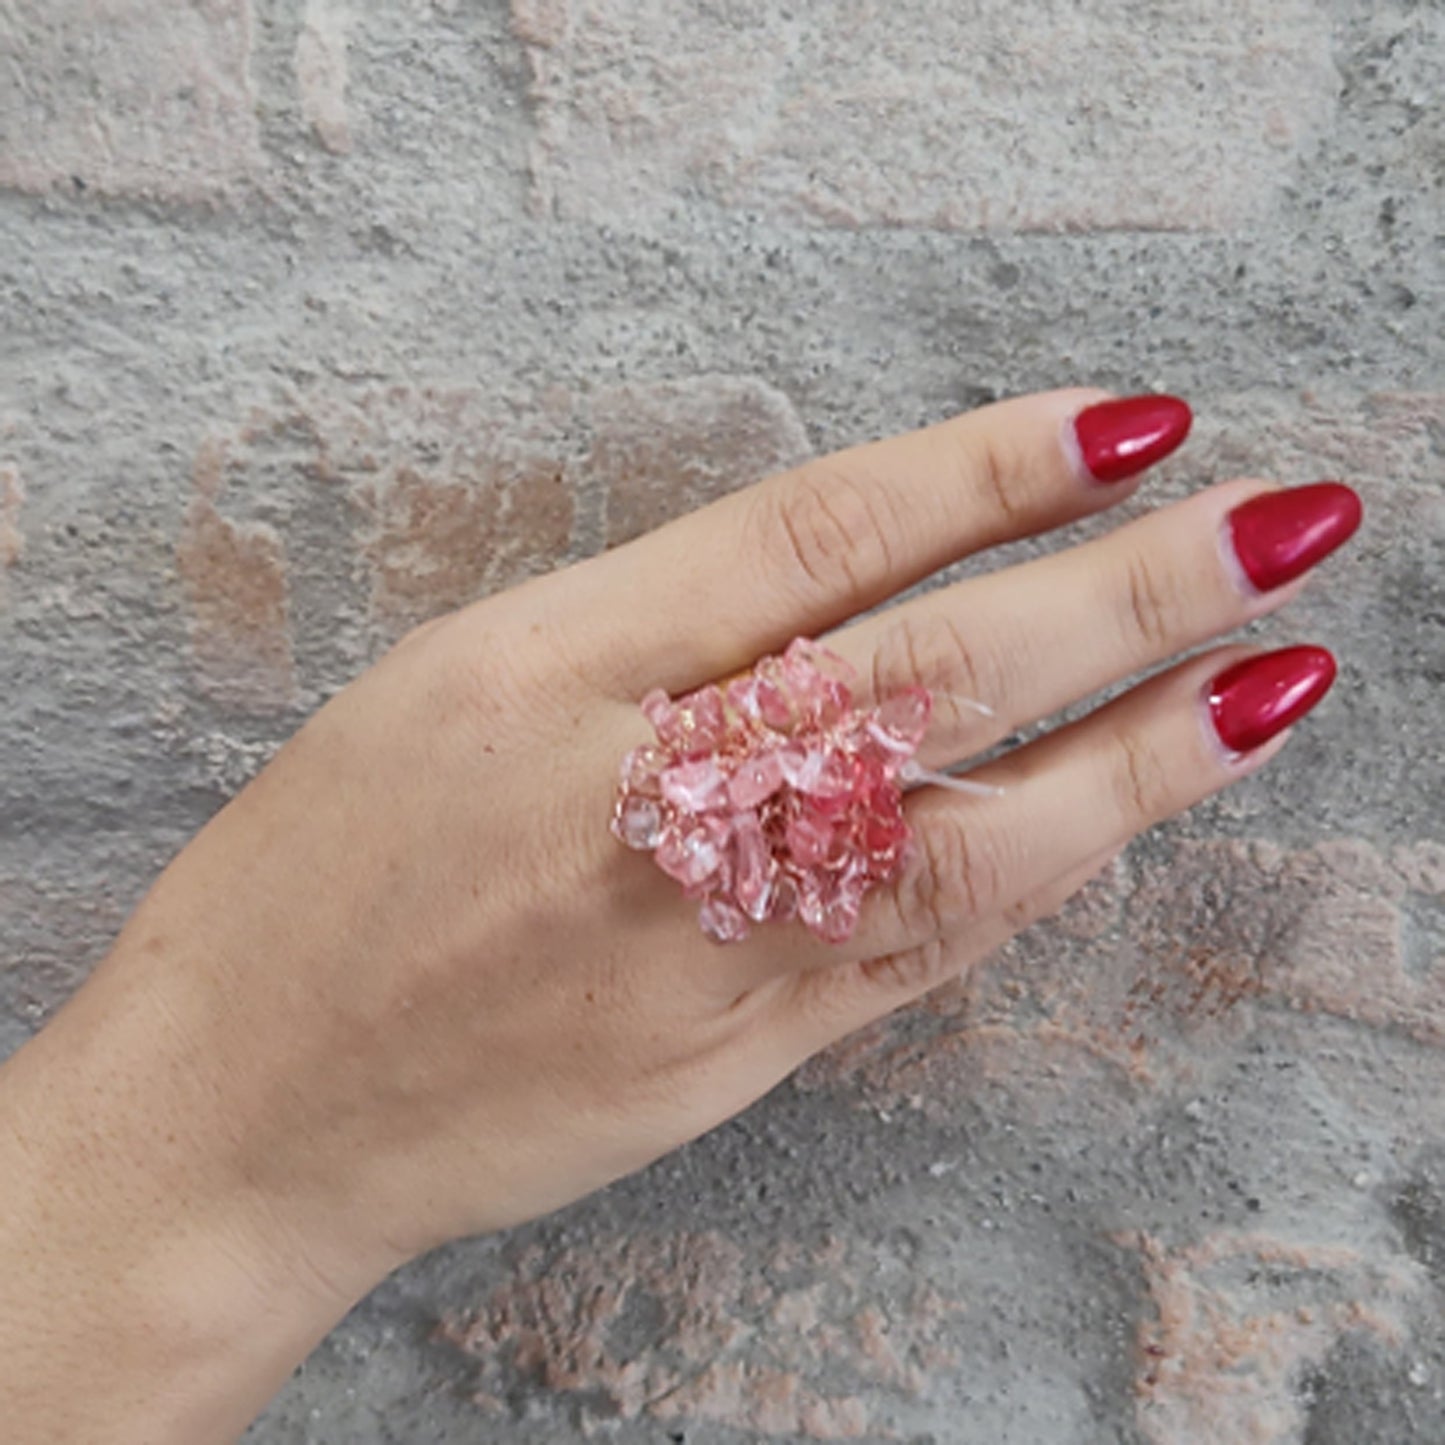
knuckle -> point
(989, 469)
(957, 878)
(833, 533)
(1141, 781)
(912, 971)
(1151, 603)
(996, 475)
(930, 649)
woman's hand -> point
(407, 986)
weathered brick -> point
(321, 74)
(663, 449)
(1043, 1017)
(1317, 930)
(825, 1372)
(145, 98)
(1386, 437)
(235, 581)
(914, 114)
(1238, 1318)
(445, 493)
(1153, 968)
(458, 495)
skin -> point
(406, 987)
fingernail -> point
(1260, 697)
(1119, 439)
(1279, 535)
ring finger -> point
(1093, 785)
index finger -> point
(804, 550)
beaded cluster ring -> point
(772, 797)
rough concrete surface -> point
(319, 318)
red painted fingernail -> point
(1258, 698)
(1279, 535)
(1119, 439)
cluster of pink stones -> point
(772, 797)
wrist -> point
(151, 1293)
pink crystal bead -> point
(692, 725)
(696, 786)
(885, 830)
(820, 771)
(774, 703)
(642, 771)
(772, 797)
(755, 781)
(657, 708)
(903, 719)
(689, 852)
(830, 907)
(784, 903)
(722, 921)
(811, 660)
(810, 839)
(637, 821)
(742, 696)
(702, 720)
(752, 867)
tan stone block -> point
(969, 118)
(826, 1370)
(148, 98)
(234, 575)
(663, 449)
(1237, 1319)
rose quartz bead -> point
(755, 781)
(742, 696)
(810, 839)
(903, 718)
(695, 787)
(690, 855)
(641, 768)
(701, 720)
(657, 708)
(638, 822)
(775, 707)
(722, 921)
(830, 909)
(821, 770)
(753, 867)
(783, 905)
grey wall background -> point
(318, 319)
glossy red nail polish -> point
(1258, 698)
(1119, 439)
(1279, 535)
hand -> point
(406, 986)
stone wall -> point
(321, 318)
